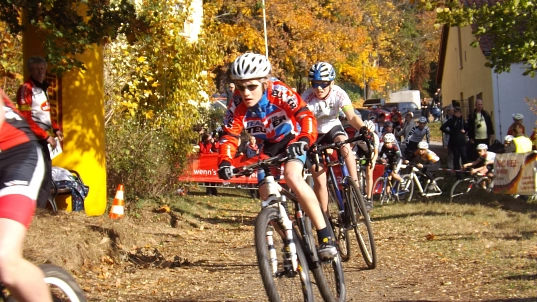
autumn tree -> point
(154, 88)
(10, 60)
(508, 22)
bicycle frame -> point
(423, 190)
(278, 197)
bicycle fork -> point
(290, 262)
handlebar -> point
(249, 169)
(316, 149)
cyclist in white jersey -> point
(325, 100)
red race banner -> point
(204, 168)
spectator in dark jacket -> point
(457, 129)
(480, 129)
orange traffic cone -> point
(118, 206)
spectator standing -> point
(456, 128)
(425, 108)
(380, 124)
(208, 144)
(32, 99)
(480, 129)
(518, 119)
(445, 138)
(252, 149)
(229, 93)
(522, 143)
(21, 173)
(405, 130)
(397, 119)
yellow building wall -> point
(465, 74)
(82, 117)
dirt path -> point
(214, 260)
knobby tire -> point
(405, 188)
(328, 275)
(362, 225)
(337, 222)
(461, 187)
(284, 285)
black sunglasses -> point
(250, 87)
(323, 85)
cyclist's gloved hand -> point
(297, 149)
(225, 170)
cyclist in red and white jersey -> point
(21, 173)
(325, 100)
(270, 111)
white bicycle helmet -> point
(423, 145)
(250, 66)
(518, 117)
(370, 125)
(422, 119)
(482, 147)
(389, 138)
(508, 138)
(322, 71)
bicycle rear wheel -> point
(281, 282)
(405, 188)
(460, 187)
(362, 225)
(337, 222)
(379, 191)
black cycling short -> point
(330, 136)
(21, 174)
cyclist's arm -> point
(428, 134)
(230, 140)
(353, 119)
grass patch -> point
(436, 134)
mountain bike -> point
(63, 286)
(346, 206)
(464, 186)
(386, 189)
(425, 187)
(285, 245)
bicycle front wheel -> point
(460, 187)
(62, 285)
(281, 282)
(362, 225)
(405, 188)
(328, 274)
(337, 222)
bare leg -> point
(320, 186)
(24, 280)
(305, 195)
